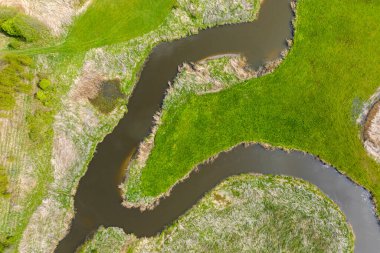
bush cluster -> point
(3, 245)
(40, 120)
(21, 26)
(39, 125)
(15, 77)
(44, 93)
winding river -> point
(98, 200)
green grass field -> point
(309, 103)
(110, 22)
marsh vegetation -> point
(245, 213)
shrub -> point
(7, 101)
(39, 126)
(9, 28)
(3, 245)
(44, 84)
(23, 27)
(20, 59)
(14, 44)
(6, 240)
(41, 95)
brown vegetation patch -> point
(371, 131)
(87, 85)
(371, 116)
(220, 199)
(104, 94)
(108, 96)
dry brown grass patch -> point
(371, 132)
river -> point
(98, 200)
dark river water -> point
(98, 200)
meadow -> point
(106, 23)
(309, 103)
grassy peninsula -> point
(309, 103)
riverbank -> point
(245, 213)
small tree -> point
(44, 84)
